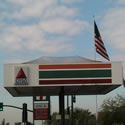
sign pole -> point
(33, 112)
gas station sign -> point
(40, 111)
(51, 76)
(75, 74)
(21, 76)
(77, 79)
(41, 98)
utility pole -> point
(72, 110)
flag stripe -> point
(97, 42)
(103, 51)
(100, 40)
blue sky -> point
(33, 28)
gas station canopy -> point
(78, 76)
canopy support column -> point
(62, 106)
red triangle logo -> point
(21, 74)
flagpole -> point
(95, 60)
(94, 41)
(100, 49)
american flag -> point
(99, 45)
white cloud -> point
(121, 1)
(31, 9)
(117, 2)
(31, 2)
(64, 26)
(31, 38)
(53, 19)
(40, 9)
(71, 1)
(20, 2)
(60, 11)
(114, 28)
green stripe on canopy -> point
(75, 74)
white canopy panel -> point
(78, 76)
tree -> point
(18, 123)
(84, 117)
(54, 120)
(80, 117)
(112, 111)
(3, 122)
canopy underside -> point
(55, 90)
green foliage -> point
(84, 117)
(113, 111)
(54, 120)
(80, 117)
